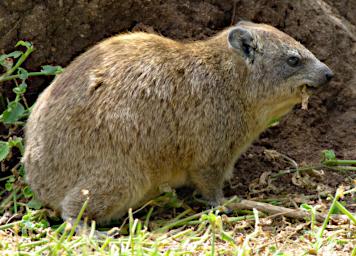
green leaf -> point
(306, 207)
(4, 150)
(42, 224)
(11, 179)
(27, 192)
(24, 43)
(22, 73)
(17, 142)
(329, 155)
(21, 89)
(211, 217)
(26, 217)
(279, 254)
(13, 112)
(9, 186)
(335, 210)
(14, 55)
(227, 237)
(34, 204)
(22, 170)
(51, 70)
(272, 249)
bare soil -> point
(62, 29)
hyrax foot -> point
(101, 206)
(210, 184)
(212, 203)
(217, 201)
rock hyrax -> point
(138, 111)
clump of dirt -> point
(61, 30)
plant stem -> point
(192, 217)
(5, 178)
(212, 240)
(7, 78)
(77, 221)
(8, 199)
(341, 168)
(339, 162)
(287, 171)
(148, 216)
(331, 209)
(10, 225)
(346, 212)
(34, 244)
(353, 252)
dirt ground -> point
(62, 29)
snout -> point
(321, 75)
(328, 74)
(325, 74)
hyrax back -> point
(138, 111)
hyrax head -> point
(279, 67)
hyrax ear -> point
(241, 40)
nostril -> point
(329, 75)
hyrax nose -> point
(328, 74)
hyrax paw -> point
(216, 202)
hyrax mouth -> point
(305, 91)
(305, 96)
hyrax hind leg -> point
(104, 204)
(209, 182)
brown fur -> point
(138, 111)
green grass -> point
(209, 232)
(168, 225)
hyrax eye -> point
(293, 61)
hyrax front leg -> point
(209, 183)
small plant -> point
(13, 117)
(329, 159)
(317, 234)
